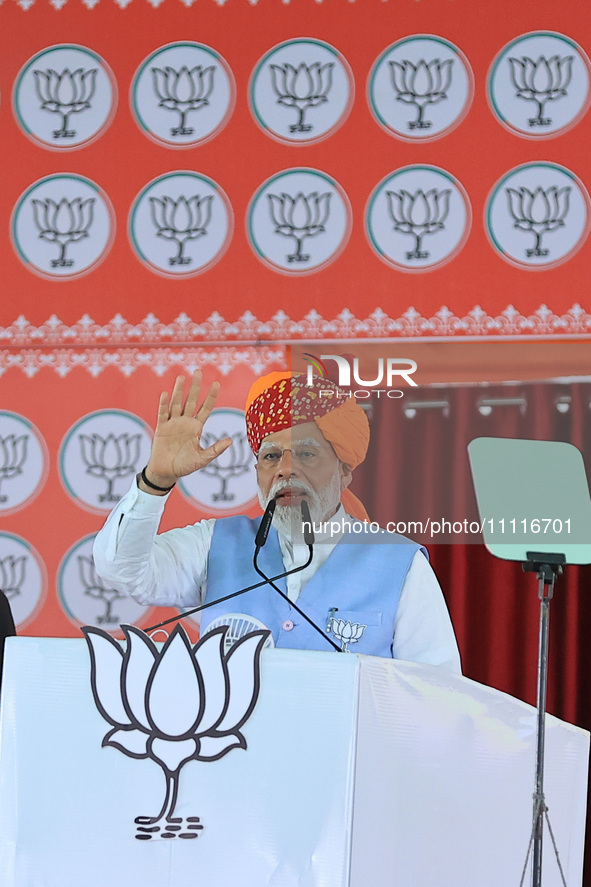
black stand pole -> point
(547, 567)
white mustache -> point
(295, 485)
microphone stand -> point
(227, 597)
(309, 540)
(260, 539)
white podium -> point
(358, 772)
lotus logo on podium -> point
(174, 705)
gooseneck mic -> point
(265, 525)
(260, 539)
(309, 540)
(307, 523)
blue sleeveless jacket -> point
(359, 584)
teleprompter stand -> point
(540, 490)
(547, 567)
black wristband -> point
(152, 486)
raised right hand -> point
(176, 448)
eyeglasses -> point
(306, 455)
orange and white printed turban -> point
(280, 400)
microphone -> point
(260, 539)
(309, 540)
(307, 519)
(265, 525)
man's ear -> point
(346, 475)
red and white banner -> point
(202, 184)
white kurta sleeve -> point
(169, 569)
(422, 629)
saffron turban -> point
(280, 400)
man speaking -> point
(367, 593)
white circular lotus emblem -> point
(23, 462)
(537, 215)
(538, 85)
(301, 91)
(299, 221)
(87, 599)
(100, 455)
(181, 224)
(62, 226)
(420, 88)
(229, 483)
(183, 94)
(418, 218)
(64, 97)
(23, 578)
(239, 624)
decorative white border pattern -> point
(127, 360)
(281, 329)
(90, 4)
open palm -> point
(176, 448)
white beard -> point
(323, 503)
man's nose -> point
(286, 466)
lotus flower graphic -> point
(541, 81)
(346, 632)
(299, 217)
(12, 574)
(96, 589)
(183, 91)
(134, 691)
(232, 463)
(538, 211)
(65, 222)
(67, 93)
(418, 214)
(110, 458)
(13, 452)
(306, 86)
(425, 83)
(181, 220)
